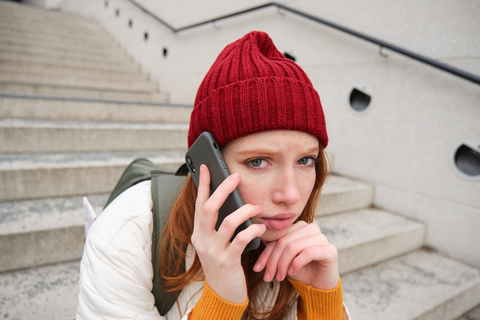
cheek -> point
(306, 187)
(252, 190)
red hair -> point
(177, 236)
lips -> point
(280, 221)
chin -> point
(273, 235)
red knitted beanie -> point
(251, 88)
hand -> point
(304, 255)
(220, 258)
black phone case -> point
(205, 150)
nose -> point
(286, 188)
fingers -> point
(217, 199)
(288, 247)
(264, 256)
(316, 266)
(270, 246)
(206, 207)
(232, 221)
(206, 215)
(243, 238)
(327, 254)
(297, 248)
(202, 197)
(304, 254)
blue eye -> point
(257, 163)
(306, 161)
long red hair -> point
(177, 236)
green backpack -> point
(166, 187)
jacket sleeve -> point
(315, 304)
(213, 307)
(116, 270)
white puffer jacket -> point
(116, 270)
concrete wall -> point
(418, 115)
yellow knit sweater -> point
(314, 304)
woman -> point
(264, 112)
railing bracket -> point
(214, 25)
(381, 53)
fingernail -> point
(202, 169)
(235, 176)
(290, 272)
(279, 277)
(256, 267)
(266, 277)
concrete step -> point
(33, 176)
(27, 14)
(30, 136)
(40, 71)
(49, 292)
(367, 236)
(27, 48)
(420, 285)
(43, 231)
(64, 20)
(473, 314)
(10, 58)
(37, 14)
(54, 32)
(77, 81)
(40, 232)
(88, 34)
(341, 194)
(13, 66)
(57, 109)
(98, 48)
(9, 88)
(85, 28)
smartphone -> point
(205, 150)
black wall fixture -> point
(466, 159)
(359, 100)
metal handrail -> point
(460, 73)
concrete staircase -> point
(387, 272)
(75, 110)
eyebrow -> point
(266, 151)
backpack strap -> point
(166, 188)
(137, 171)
